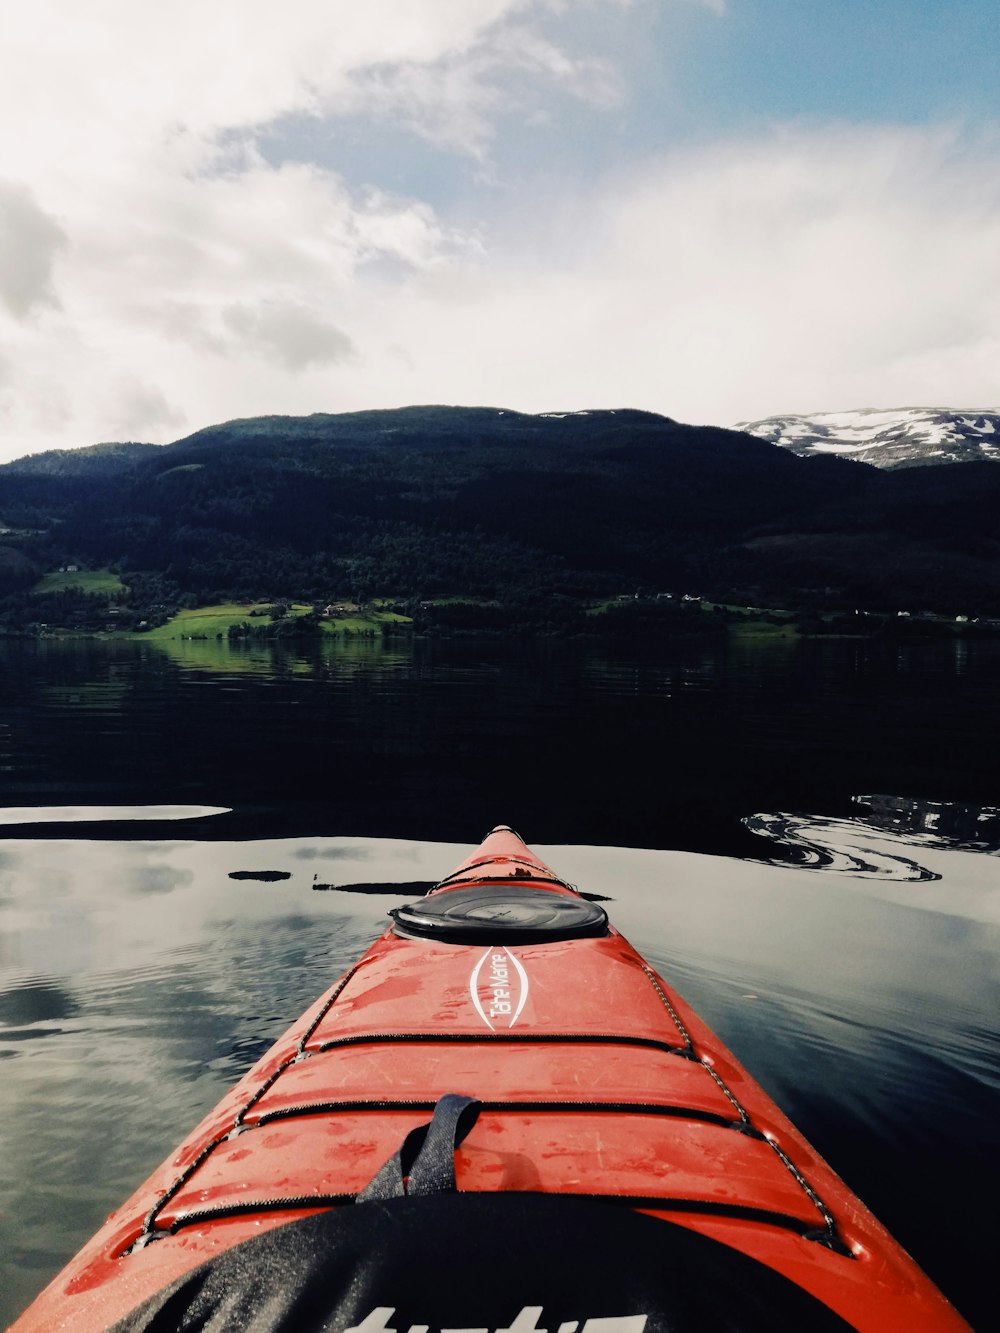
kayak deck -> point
(594, 1078)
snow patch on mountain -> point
(900, 437)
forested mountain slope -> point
(487, 503)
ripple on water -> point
(970, 828)
(840, 846)
(869, 845)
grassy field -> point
(360, 624)
(97, 582)
(209, 622)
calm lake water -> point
(801, 835)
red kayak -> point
(500, 1120)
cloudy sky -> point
(715, 209)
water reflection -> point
(847, 1005)
(241, 658)
(35, 1000)
(94, 814)
(159, 879)
(839, 845)
(879, 844)
(643, 745)
(975, 828)
(874, 989)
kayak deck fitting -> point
(500, 1118)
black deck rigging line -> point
(300, 1047)
(332, 999)
(505, 1038)
(654, 1202)
(376, 1038)
(833, 1240)
(828, 1236)
(513, 1107)
(146, 1231)
(654, 981)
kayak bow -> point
(502, 1118)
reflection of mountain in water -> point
(37, 1000)
(865, 845)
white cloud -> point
(113, 83)
(184, 285)
(133, 407)
(157, 273)
(29, 243)
(291, 332)
(128, 136)
(455, 101)
(805, 269)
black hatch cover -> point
(499, 914)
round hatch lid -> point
(499, 914)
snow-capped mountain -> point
(901, 437)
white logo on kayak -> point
(499, 988)
(526, 1321)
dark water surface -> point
(802, 836)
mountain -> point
(903, 437)
(415, 501)
(107, 459)
(486, 504)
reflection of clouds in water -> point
(352, 852)
(8, 886)
(198, 1015)
(76, 904)
(86, 814)
(159, 879)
